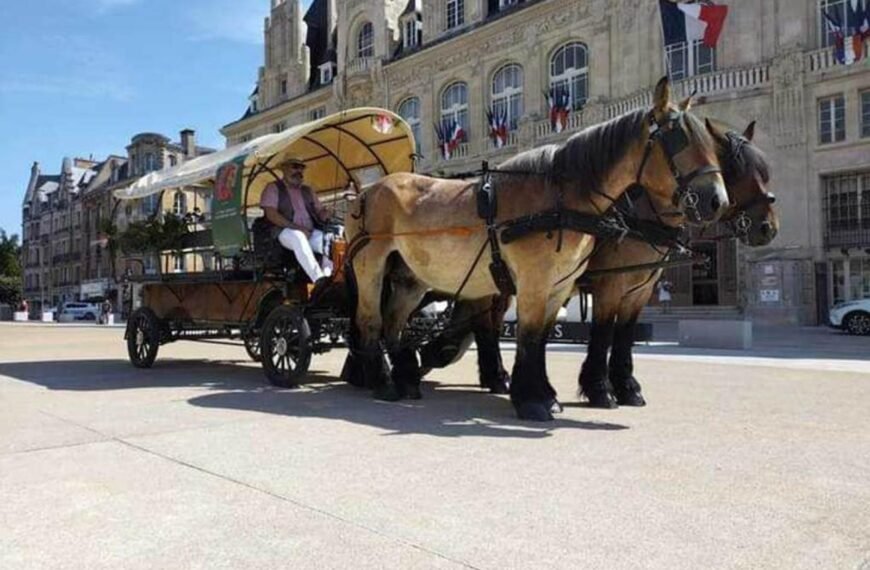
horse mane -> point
(591, 154)
(588, 155)
(743, 159)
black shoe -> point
(319, 288)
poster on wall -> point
(769, 295)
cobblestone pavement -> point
(741, 460)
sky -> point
(81, 77)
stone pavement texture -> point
(741, 460)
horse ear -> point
(662, 95)
(686, 103)
(749, 132)
(714, 130)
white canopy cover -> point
(350, 145)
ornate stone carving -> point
(788, 99)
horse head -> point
(679, 166)
(751, 216)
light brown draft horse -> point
(620, 296)
(431, 228)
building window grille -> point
(317, 113)
(150, 163)
(502, 4)
(454, 107)
(569, 69)
(178, 263)
(507, 94)
(846, 204)
(832, 119)
(409, 110)
(455, 13)
(365, 41)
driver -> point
(296, 214)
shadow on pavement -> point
(445, 411)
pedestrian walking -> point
(664, 288)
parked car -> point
(851, 316)
(78, 312)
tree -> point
(10, 269)
(10, 255)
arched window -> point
(569, 69)
(454, 107)
(365, 41)
(179, 204)
(409, 110)
(507, 93)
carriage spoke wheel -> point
(284, 346)
(252, 345)
(858, 323)
(143, 337)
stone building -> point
(148, 152)
(51, 233)
(440, 61)
(64, 245)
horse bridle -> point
(670, 134)
(737, 219)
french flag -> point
(686, 22)
(457, 135)
(847, 50)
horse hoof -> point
(633, 399)
(534, 411)
(500, 388)
(556, 407)
(387, 393)
(602, 399)
(413, 392)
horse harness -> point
(618, 222)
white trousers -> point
(304, 248)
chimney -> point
(34, 170)
(188, 142)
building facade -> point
(440, 62)
(65, 249)
(52, 233)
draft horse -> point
(619, 294)
(430, 228)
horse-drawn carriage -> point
(255, 291)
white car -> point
(78, 312)
(851, 316)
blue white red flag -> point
(848, 42)
(559, 105)
(457, 135)
(685, 22)
(498, 130)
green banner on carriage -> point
(228, 228)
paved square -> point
(741, 460)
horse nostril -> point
(766, 229)
(715, 204)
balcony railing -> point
(544, 129)
(359, 65)
(820, 60)
(724, 81)
(512, 141)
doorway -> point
(705, 274)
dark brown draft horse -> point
(620, 296)
(431, 228)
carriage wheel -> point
(252, 345)
(143, 337)
(284, 345)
